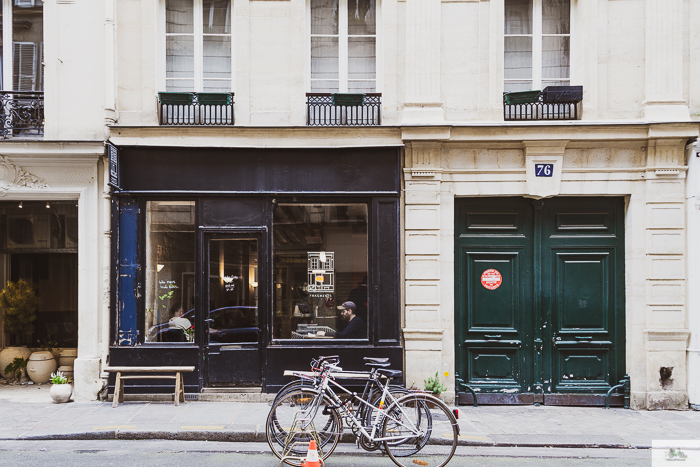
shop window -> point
(198, 45)
(343, 46)
(537, 44)
(170, 255)
(40, 246)
(320, 263)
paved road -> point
(157, 453)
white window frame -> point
(537, 38)
(343, 46)
(8, 47)
(198, 34)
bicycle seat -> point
(376, 359)
(390, 373)
(378, 365)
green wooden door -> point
(539, 299)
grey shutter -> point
(24, 66)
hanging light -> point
(47, 205)
(20, 205)
(322, 256)
(159, 267)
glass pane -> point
(217, 85)
(518, 58)
(555, 57)
(217, 16)
(551, 82)
(233, 290)
(179, 85)
(518, 17)
(362, 58)
(170, 253)
(324, 86)
(362, 17)
(40, 246)
(320, 263)
(217, 57)
(362, 86)
(324, 58)
(179, 16)
(324, 16)
(27, 46)
(555, 16)
(179, 57)
(520, 85)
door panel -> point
(555, 324)
(233, 353)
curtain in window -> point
(518, 45)
(27, 40)
(217, 46)
(555, 42)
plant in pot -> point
(434, 386)
(19, 304)
(17, 369)
(61, 389)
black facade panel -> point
(283, 170)
(221, 212)
(385, 290)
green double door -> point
(539, 305)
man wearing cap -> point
(356, 328)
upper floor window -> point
(537, 44)
(198, 45)
(22, 39)
(343, 45)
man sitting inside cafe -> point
(356, 328)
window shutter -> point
(24, 64)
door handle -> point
(584, 338)
(210, 320)
(492, 336)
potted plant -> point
(17, 369)
(434, 386)
(61, 389)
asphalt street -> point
(170, 453)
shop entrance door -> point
(232, 309)
(539, 299)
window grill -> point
(197, 113)
(22, 113)
(541, 110)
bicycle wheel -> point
(423, 432)
(368, 413)
(286, 420)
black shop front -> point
(236, 261)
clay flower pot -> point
(8, 354)
(61, 393)
(40, 366)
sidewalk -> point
(28, 413)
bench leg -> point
(117, 383)
(182, 387)
(177, 388)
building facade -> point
(271, 160)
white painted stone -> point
(665, 216)
(667, 242)
(666, 292)
(666, 267)
(422, 317)
(422, 293)
(421, 243)
(667, 317)
(421, 267)
(422, 217)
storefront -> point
(236, 260)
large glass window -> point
(343, 45)
(170, 254)
(537, 44)
(198, 45)
(22, 45)
(320, 263)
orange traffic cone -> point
(312, 459)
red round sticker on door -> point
(491, 279)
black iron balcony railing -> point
(191, 108)
(325, 109)
(548, 105)
(22, 113)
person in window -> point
(356, 328)
(178, 321)
(358, 296)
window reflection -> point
(170, 248)
(320, 263)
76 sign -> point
(544, 170)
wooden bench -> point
(146, 372)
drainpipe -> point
(693, 265)
(110, 108)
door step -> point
(235, 394)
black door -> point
(233, 314)
(539, 299)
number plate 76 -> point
(544, 170)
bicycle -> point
(414, 429)
(371, 393)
